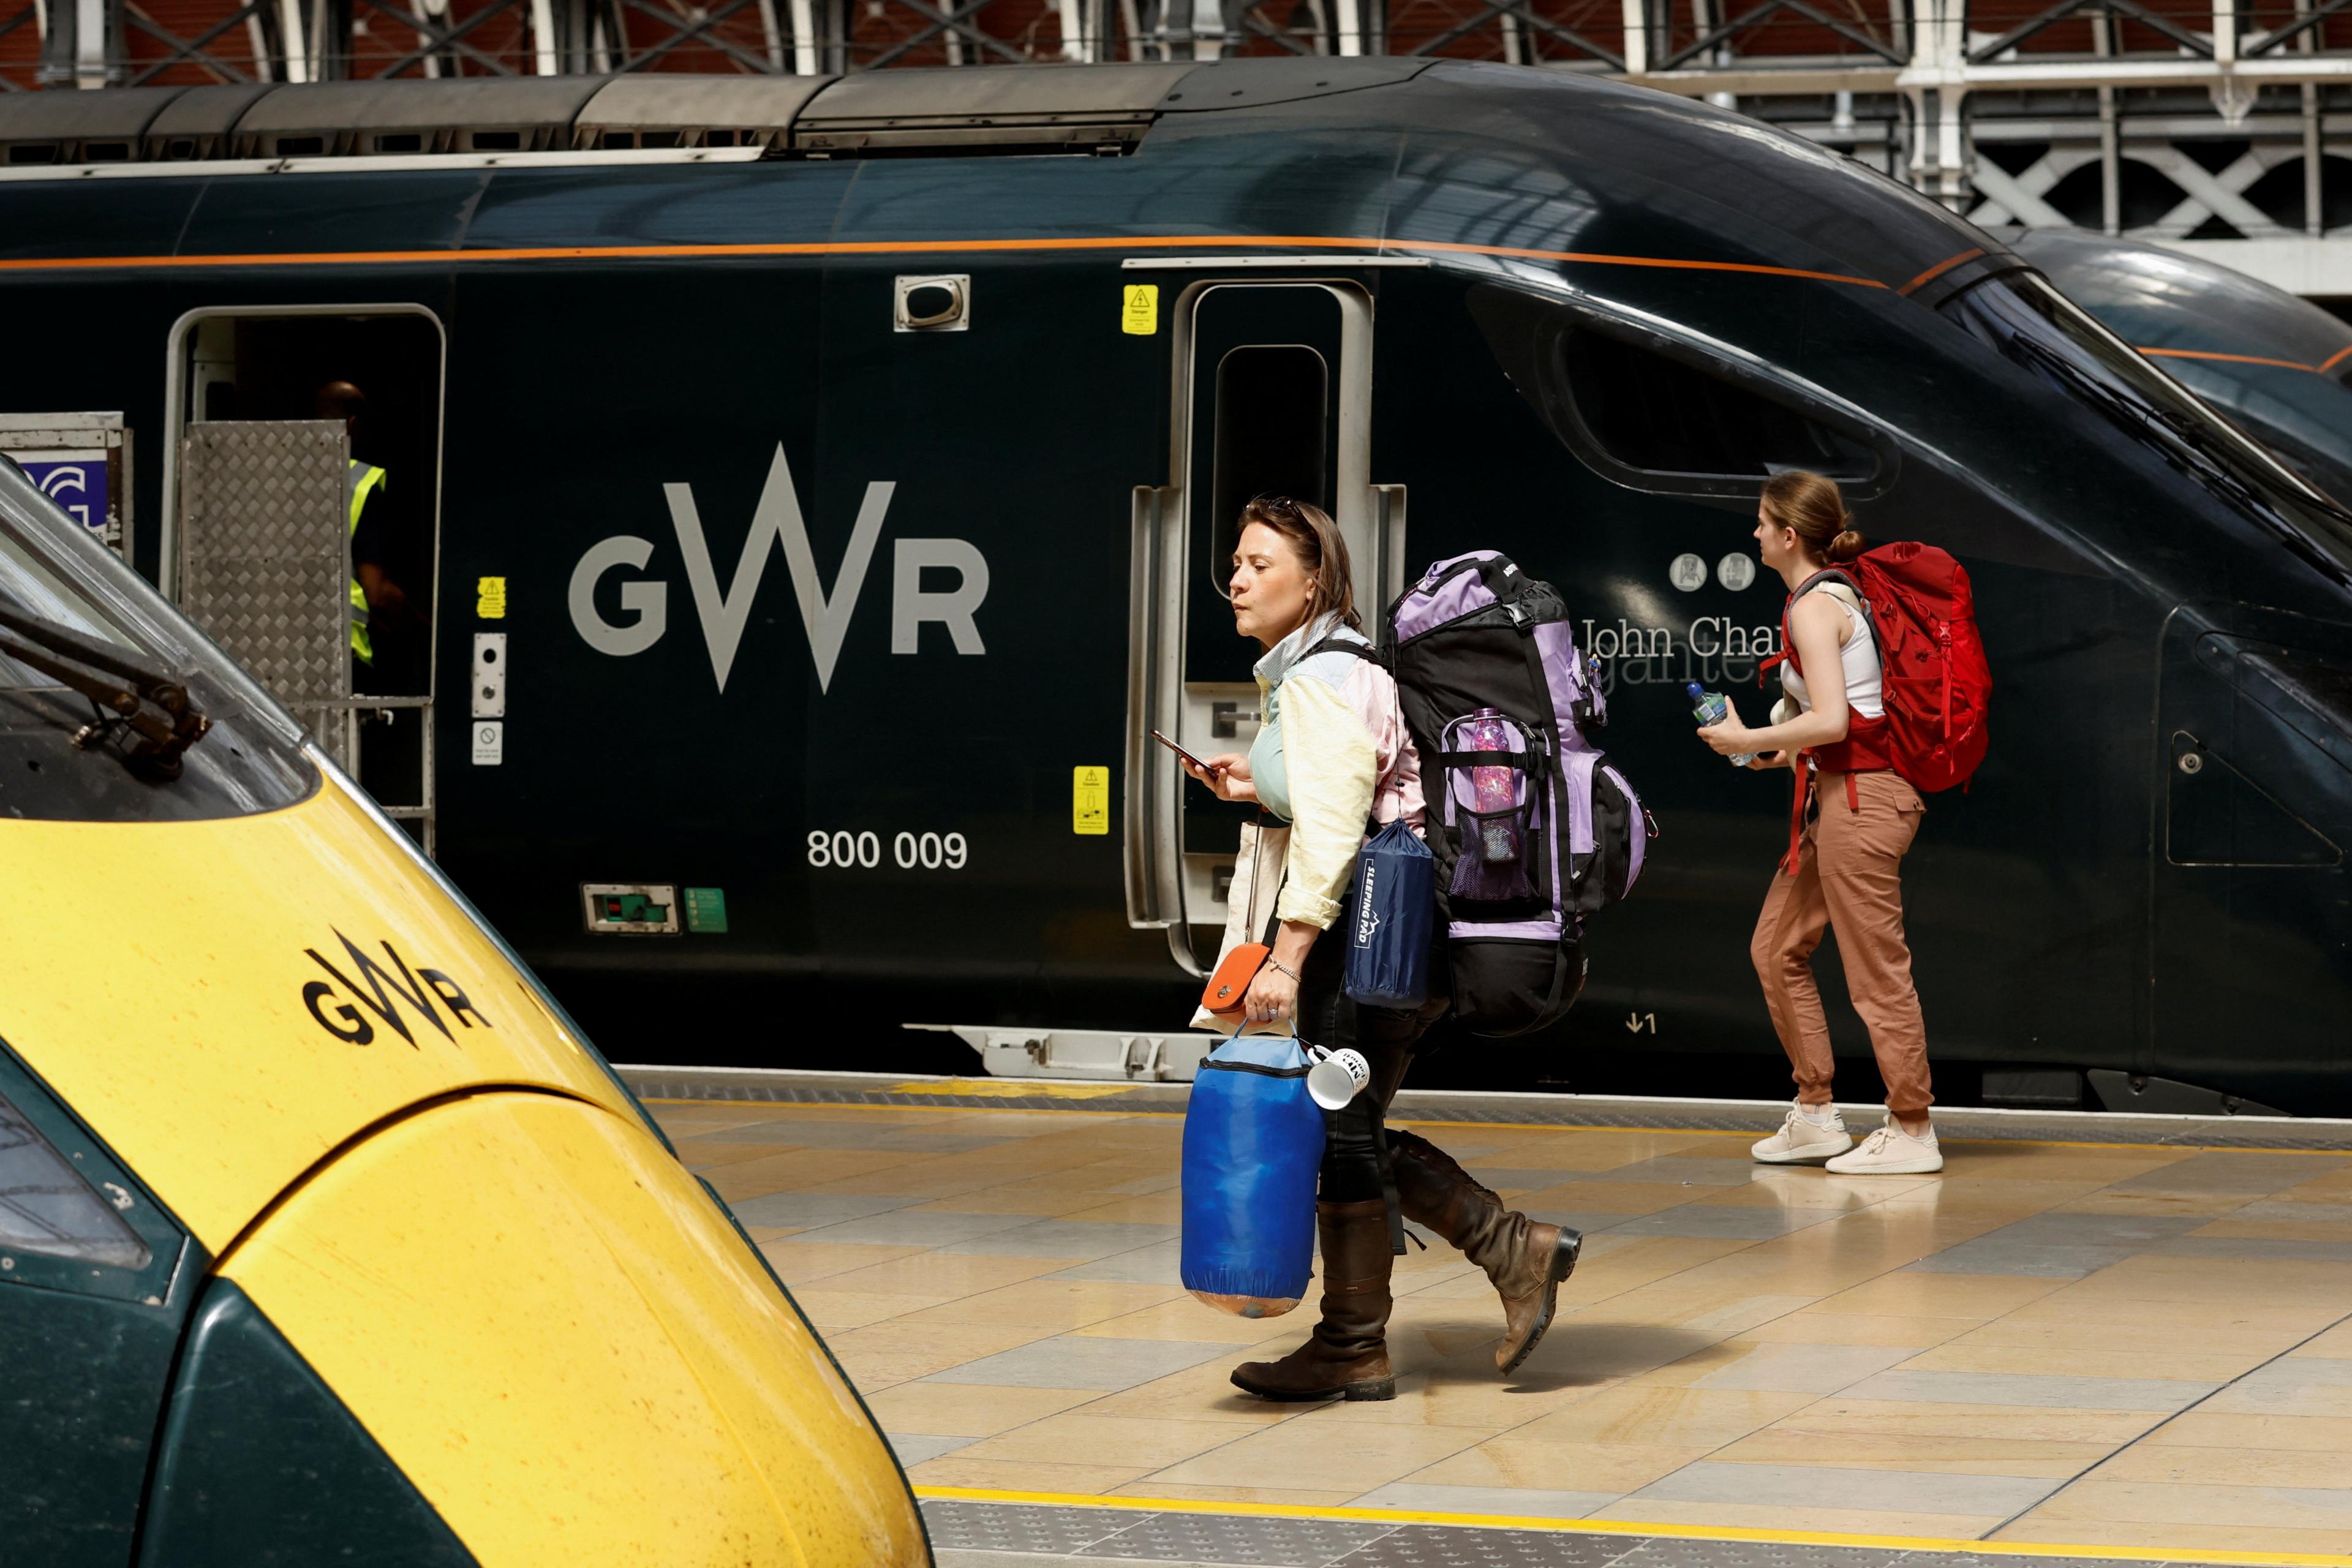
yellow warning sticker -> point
(490, 598)
(1138, 314)
(1091, 800)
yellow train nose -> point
(549, 1328)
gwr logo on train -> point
(382, 993)
(724, 612)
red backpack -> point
(1936, 680)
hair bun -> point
(1848, 544)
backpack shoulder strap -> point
(1844, 593)
(1839, 585)
(1830, 577)
(1337, 644)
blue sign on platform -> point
(76, 482)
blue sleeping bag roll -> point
(1253, 1140)
(1392, 917)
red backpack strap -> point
(1794, 859)
(1787, 654)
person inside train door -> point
(1853, 819)
(1333, 753)
(382, 618)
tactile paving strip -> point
(959, 1526)
(1751, 1555)
(1240, 1541)
(1954, 1125)
(1451, 1546)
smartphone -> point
(1205, 767)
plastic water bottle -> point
(1714, 707)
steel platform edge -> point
(1458, 1107)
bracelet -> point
(1281, 968)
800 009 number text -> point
(846, 851)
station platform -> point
(2090, 1337)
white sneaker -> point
(1802, 1140)
(1891, 1152)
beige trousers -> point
(1849, 878)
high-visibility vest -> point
(360, 482)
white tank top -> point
(1863, 692)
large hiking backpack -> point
(1936, 683)
(1531, 824)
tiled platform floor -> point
(2068, 1344)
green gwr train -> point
(840, 469)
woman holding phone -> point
(1854, 819)
(1333, 754)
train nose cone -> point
(549, 1329)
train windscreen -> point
(2026, 320)
(118, 708)
(2272, 362)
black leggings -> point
(1354, 1139)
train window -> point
(27, 588)
(1663, 416)
(47, 1208)
(1272, 436)
(1660, 416)
(95, 671)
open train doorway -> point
(303, 509)
(1271, 395)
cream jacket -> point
(1332, 755)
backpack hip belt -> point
(1863, 751)
(1868, 747)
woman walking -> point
(1333, 754)
(1851, 821)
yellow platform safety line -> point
(2026, 1549)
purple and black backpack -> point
(1531, 826)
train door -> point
(2250, 885)
(1272, 394)
(319, 428)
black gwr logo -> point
(384, 992)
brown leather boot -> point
(1526, 1259)
(1348, 1354)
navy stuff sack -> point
(1391, 913)
(1253, 1140)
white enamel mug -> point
(1336, 1076)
